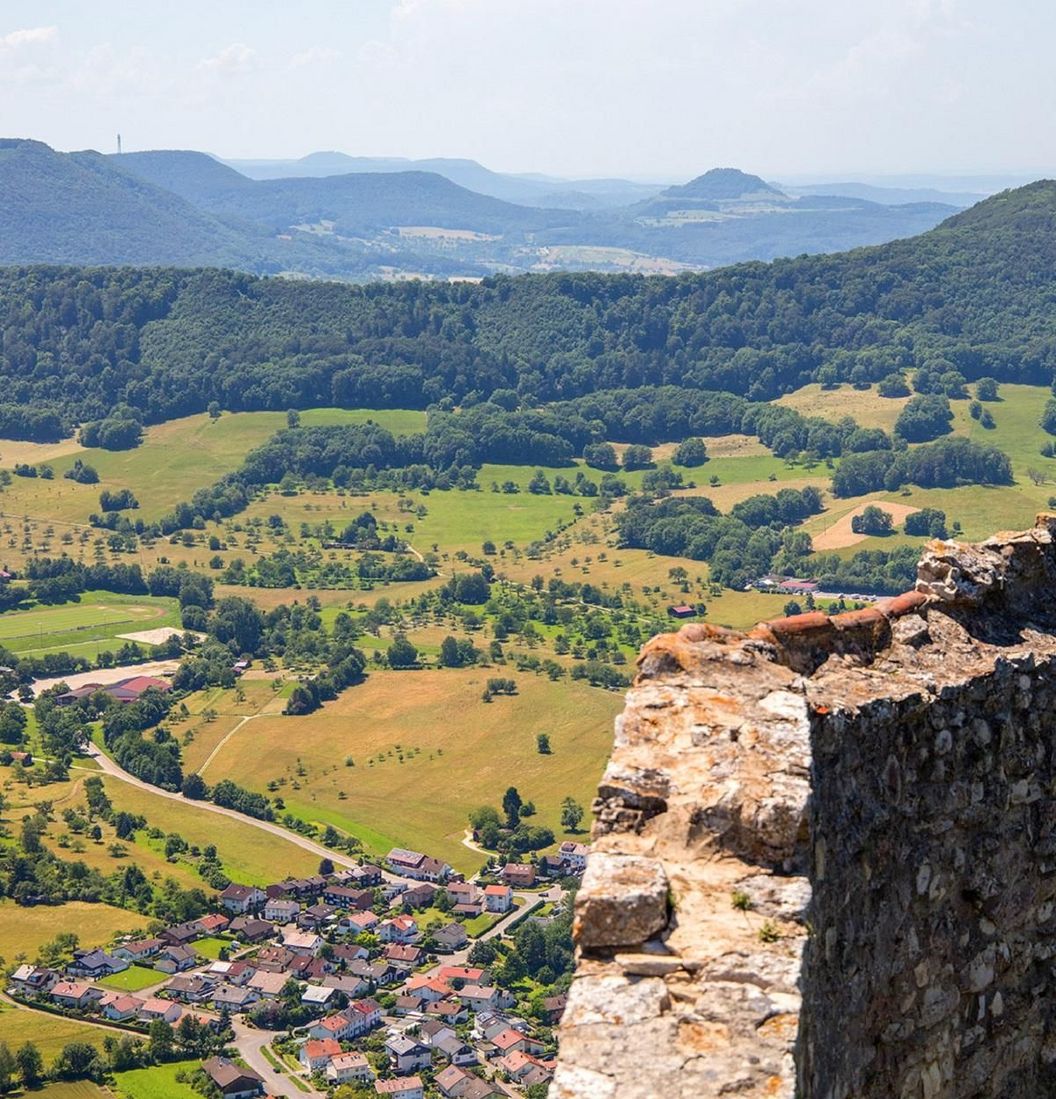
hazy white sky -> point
(646, 88)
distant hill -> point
(888, 196)
(525, 190)
(354, 202)
(80, 208)
(186, 208)
(724, 183)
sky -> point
(646, 89)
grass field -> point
(246, 853)
(49, 1032)
(87, 626)
(211, 947)
(24, 930)
(458, 753)
(75, 1089)
(156, 1082)
(133, 979)
(175, 459)
(864, 405)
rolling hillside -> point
(974, 294)
(184, 208)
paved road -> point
(250, 1041)
(109, 767)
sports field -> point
(85, 627)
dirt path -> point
(839, 535)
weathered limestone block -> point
(622, 902)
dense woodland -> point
(972, 295)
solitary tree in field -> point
(542, 744)
(571, 814)
(511, 806)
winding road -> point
(109, 767)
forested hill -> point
(977, 292)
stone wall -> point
(825, 852)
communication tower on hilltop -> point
(118, 144)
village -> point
(375, 980)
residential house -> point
(233, 1081)
(356, 923)
(232, 973)
(317, 996)
(138, 951)
(232, 998)
(348, 897)
(175, 959)
(349, 985)
(307, 944)
(479, 997)
(281, 911)
(95, 964)
(526, 1069)
(75, 994)
(519, 875)
(498, 898)
(431, 1031)
(274, 959)
(450, 937)
(311, 969)
(154, 1007)
(316, 916)
(191, 988)
(213, 923)
(182, 934)
(241, 899)
(449, 1010)
(456, 1051)
(574, 856)
(401, 1087)
(351, 952)
(250, 929)
(463, 892)
(510, 1040)
(345, 1068)
(119, 1006)
(403, 957)
(429, 989)
(415, 865)
(455, 1083)
(419, 896)
(400, 929)
(365, 1015)
(339, 1026)
(315, 1054)
(554, 1008)
(32, 980)
(266, 984)
(407, 1054)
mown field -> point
(157, 1082)
(50, 1033)
(24, 930)
(457, 752)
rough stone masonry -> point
(824, 857)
